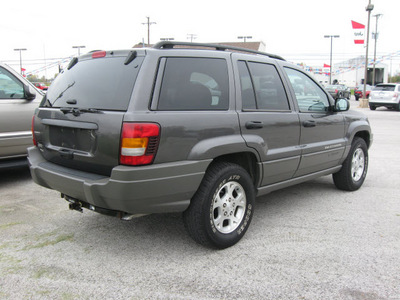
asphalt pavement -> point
(310, 241)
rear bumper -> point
(156, 188)
(387, 104)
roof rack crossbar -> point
(219, 47)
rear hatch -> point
(384, 93)
(78, 123)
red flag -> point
(358, 30)
(326, 66)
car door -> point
(322, 131)
(15, 116)
(267, 121)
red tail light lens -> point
(33, 131)
(139, 143)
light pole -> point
(376, 39)
(20, 58)
(369, 8)
(79, 49)
(330, 65)
(244, 38)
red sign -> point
(358, 30)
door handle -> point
(254, 125)
(309, 123)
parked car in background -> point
(40, 86)
(338, 91)
(385, 94)
(18, 101)
(358, 92)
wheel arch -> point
(247, 160)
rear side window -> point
(385, 87)
(194, 84)
(102, 83)
(262, 87)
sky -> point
(293, 29)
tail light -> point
(33, 131)
(139, 143)
(335, 91)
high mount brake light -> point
(99, 54)
(139, 143)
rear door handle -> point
(309, 123)
(254, 125)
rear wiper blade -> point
(77, 111)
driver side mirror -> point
(30, 93)
(342, 104)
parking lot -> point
(310, 241)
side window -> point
(10, 87)
(263, 89)
(310, 97)
(194, 84)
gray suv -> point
(195, 128)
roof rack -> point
(171, 45)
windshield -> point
(385, 87)
(104, 83)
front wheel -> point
(222, 208)
(354, 169)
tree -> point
(395, 78)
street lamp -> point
(244, 38)
(369, 8)
(20, 57)
(330, 65)
(79, 49)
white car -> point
(385, 94)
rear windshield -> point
(385, 87)
(102, 83)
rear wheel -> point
(221, 210)
(354, 169)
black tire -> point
(222, 208)
(372, 107)
(354, 169)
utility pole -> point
(148, 23)
(369, 8)
(376, 39)
(191, 36)
(20, 58)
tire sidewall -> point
(359, 144)
(223, 240)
